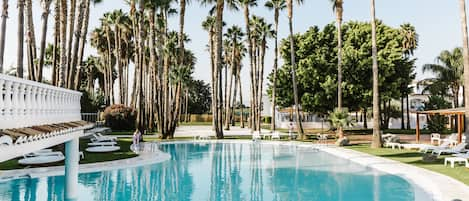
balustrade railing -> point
(25, 103)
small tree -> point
(340, 119)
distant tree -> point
(199, 97)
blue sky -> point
(437, 23)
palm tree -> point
(462, 5)
(293, 63)
(19, 67)
(234, 34)
(449, 71)
(409, 43)
(209, 26)
(376, 141)
(337, 6)
(3, 32)
(277, 6)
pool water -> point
(226, 171)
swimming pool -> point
(227, 171)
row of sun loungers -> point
(102, 143)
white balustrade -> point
(25, 103)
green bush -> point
(436, 123)
(120, 117)
(268, 119)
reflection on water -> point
(231, 172)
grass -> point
(459, 172)
(123, 153)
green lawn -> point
(123, 153)
(459, 172)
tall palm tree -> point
(449, 71)
(376, 141)
(233, 34)
(3, 32)
(409, 43)
(209, 25)
(247, 4)
(337, 6)
(19, 67)
(293, 63)
(462, 6)
(277, 6)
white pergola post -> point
(71, 169)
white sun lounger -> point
(275, 135)
(256, 135)
(460, 158)
(45, 158)
(102, 149)
(428, 148)
(102, 143)
(453, 150)
(6, 140)
(97, 137)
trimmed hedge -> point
(120, 117)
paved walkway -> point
(193, 131)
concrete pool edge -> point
(140, 160)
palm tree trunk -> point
(274, 82)
(402, 111)
(63, 43)
(71, 23)
(19, 67)
(219, 64)
(3, 32)
(241, 124)
(408, 112)
(55, 57)
(228, 92)
(75, 63)
(261, 80)
(45, 16)
(293, 62)
(31, 40)
(462, 5)
(84, 32)
(376, 141)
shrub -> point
(268, 119)
(120, 117)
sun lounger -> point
(428, 148)
(5, 140)
(453, 150)
(102, 143)
(43, 158)
(452, 139)
(102, 149)
(256, 135)
(97, 137)
(275, 135)
(460, 158)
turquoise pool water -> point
(226, 171)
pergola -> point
(452, 111)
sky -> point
(436, 21)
